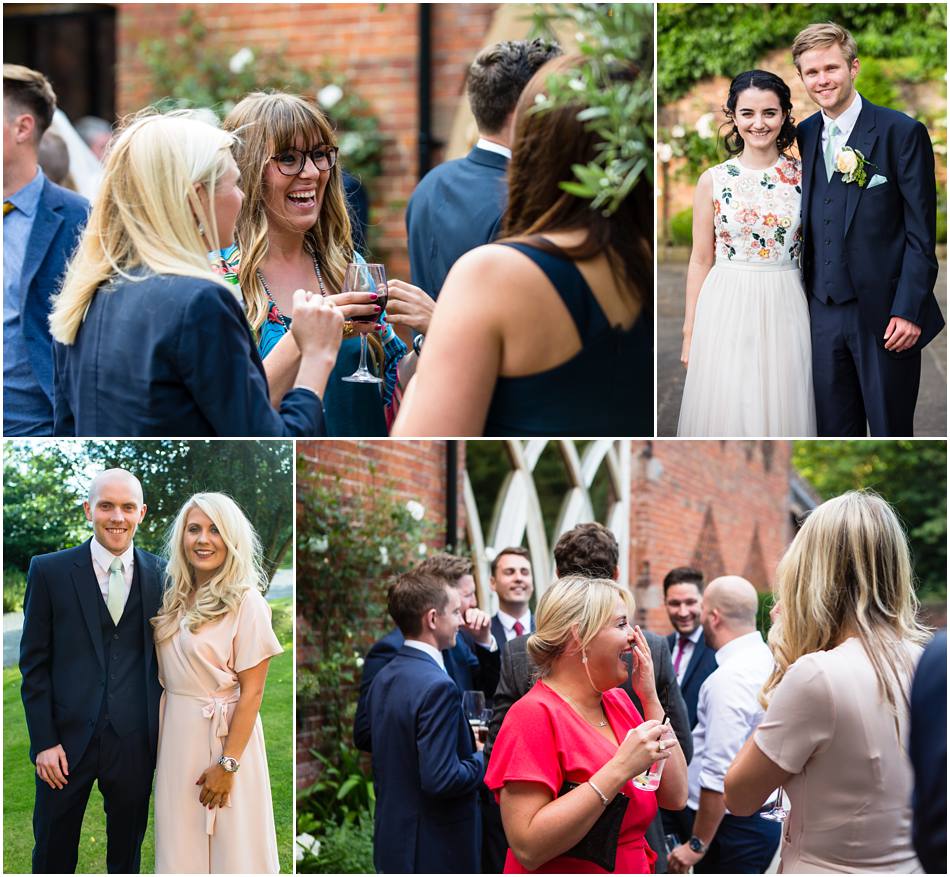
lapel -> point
(498, 631)
(45, 225)
(150, 593)
(863, 139)
(87, 590)
(811, 159)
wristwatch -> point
(696, 845)
(229, 764)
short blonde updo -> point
(574, 608)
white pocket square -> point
(876, 180)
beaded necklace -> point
(273, 301)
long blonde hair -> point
(240, 571)
(848, 572)
(147, 212)
(268, 123)
(574, 608)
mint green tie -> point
(116, 601)
(833, 132)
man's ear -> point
(428, 620)
(87, 509)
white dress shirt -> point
(845, 122)
(688, 649)
(489, 146)
(101, 560)
(430, 650)
(728, 711)
(508, 623)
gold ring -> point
(348, 329)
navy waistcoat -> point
(826, 218)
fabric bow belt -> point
(215, 709)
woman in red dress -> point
(571, 745)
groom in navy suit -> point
(90, 681)
(869, 259)
(427, 766)
(458, 205)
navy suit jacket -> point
(498, 631)
(701, 663)
(171, 356)
(928, 754)
(890, 229)
(426, 771)
(61, 655)
(471, 667)
(456, 207)
(57, 227)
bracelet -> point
(600, 794)
(417, 344)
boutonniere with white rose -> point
(850, 163)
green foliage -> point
(763, 621)
(941, 213)
(14, 589)
(341, 796)
(344, 849)
(911, 475)
(189, 71)
(877, 85)
(699, 40)
(619, 112)
(44, 486)
(681, 228)
(282, 621)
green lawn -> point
(276, 713)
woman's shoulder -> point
(538, 704)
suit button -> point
(116, 636)
(827, 200)
(112, 676)
(827, 243)
(827, 222)
(827, 262)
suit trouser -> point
(123, 767)
(742, 845)
(494, 841)
(859, 385)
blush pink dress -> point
(199, 674)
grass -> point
(18, 773)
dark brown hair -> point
(411, 596)
(587, 550)
(447, 566)
(515, 549)
(545, 147)
(31, 92)
(683, 575)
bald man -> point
(90, 680)
(727, 713)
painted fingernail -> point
(373, 296)
(378, 309)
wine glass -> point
(473, 705)
(779, 811)
(370, 277)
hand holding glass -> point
(365, 278)
(649, 780)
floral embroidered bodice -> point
(757, 213)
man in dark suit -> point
(90, 681)
(42, 223)
(473, 661)
(869, 261)
(427, 766)
(458, 205)
(928, 754)
(512, 582)
(592, 550)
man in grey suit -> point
(591, 550)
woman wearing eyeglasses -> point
(293, 232)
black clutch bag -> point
(599, 845)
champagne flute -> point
(779, 811)
(365, 278)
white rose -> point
(319, 544)
(329, 95)
(416, 509)
(704, 125)
(306, 843)
(240, 59)
(664, 152)
(678, 131)
(847, 161)
(423, 548)
(383, 554)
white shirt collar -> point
(102, 556)
(508, 621)
(488, 146)
(739, 644)
(846, 121)
(430, 650)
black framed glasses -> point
(291, 162)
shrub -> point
(14, 589)
(344, 849)
(681, 228)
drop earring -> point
(201, 229)
(583, 656)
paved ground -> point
(931, 416)
(281, 586)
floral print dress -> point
(749, 368)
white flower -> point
(319, 544)
(329, 96)
(350, 142)
(847, 161)
(359, 662)
(678, 131)
(306, 843)
(579, 37)
(664, 152)
(577, 83)
(704, 125)
(240, 59)
(416, 509)
(422, 549)
(383, 554)
(540, 98)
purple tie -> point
(679, 654)
(518, 628)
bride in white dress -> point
(746, 340)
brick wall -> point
(374, 45)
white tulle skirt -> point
(749, 368)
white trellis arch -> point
(516, 517)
